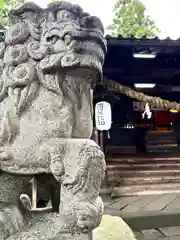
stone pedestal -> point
(80, 236)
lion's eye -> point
(51, 40)
(66, 15)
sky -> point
(166, 13)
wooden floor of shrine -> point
(151, 217)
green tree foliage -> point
(5, 7)
(131, 20)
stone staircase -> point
(142, 174)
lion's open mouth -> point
(72, 46)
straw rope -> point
(114, 86)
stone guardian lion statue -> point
(49, 61)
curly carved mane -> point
(60, 48)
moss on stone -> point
(113, 228)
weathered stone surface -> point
(49, 62)
(113, 228)
(47, 228)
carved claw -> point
(25, 200)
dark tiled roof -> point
(108, 37)
(142, 42)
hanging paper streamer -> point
(147, 112)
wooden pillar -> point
(101, 140)
(105, 189)
(95, 136)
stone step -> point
(148, 220)
(145, 189)
(114, 181)
(136, 160)
(156, 234)
(143, 166)
(163, 148)
(144, 172)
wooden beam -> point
(130, 80)
(140, 72)
(158, 76)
